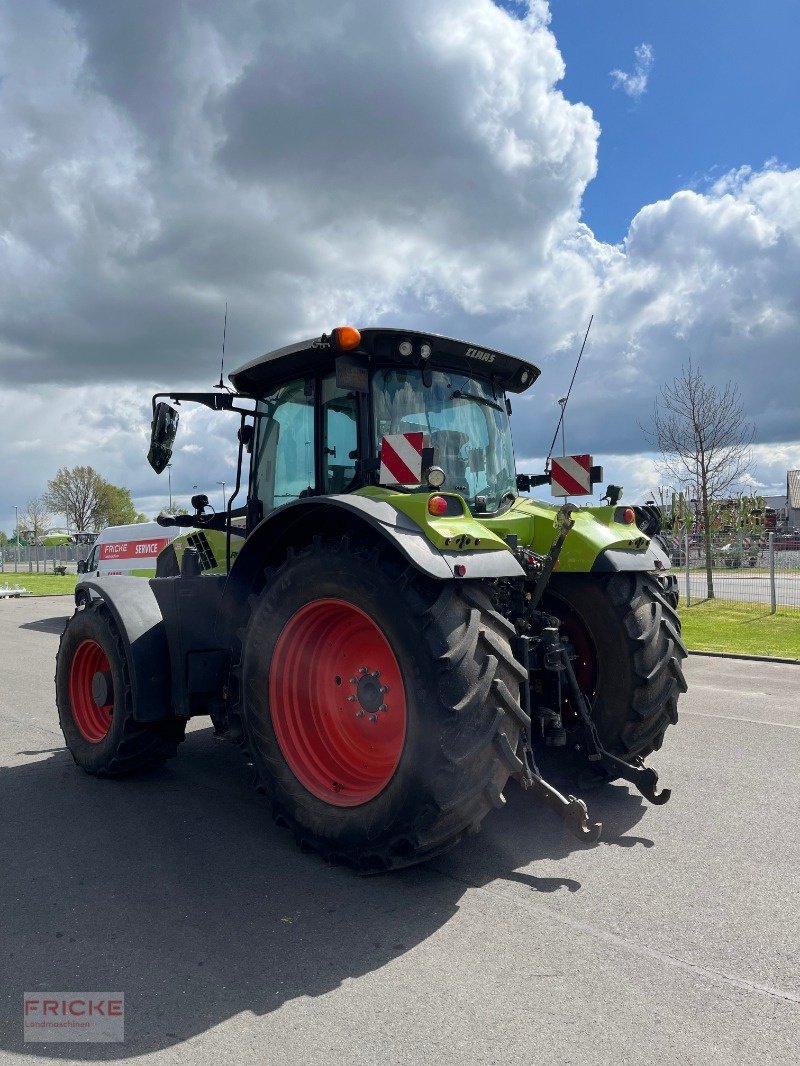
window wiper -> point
(459, 395)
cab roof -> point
(382, 347)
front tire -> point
(377, 788)
(95, 705)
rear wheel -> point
(95, 707)
(627, 638)
(380, 709)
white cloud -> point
(407, 162)
(635, 84)
(249, 164)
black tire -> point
(635, 636)
(669, 587)
(463, 714)
(128, 746)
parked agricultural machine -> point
(385, 625)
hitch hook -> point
(571, 810)
(644, 778)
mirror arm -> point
(217, 401)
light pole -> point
(169, 480)
(16, 537)
(562, 403)
(224, 503)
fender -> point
(332, 515)
(138, 619)
(612, 560)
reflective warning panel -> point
(401, 459)
(571, 475)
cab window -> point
(283, 462)
(339, 435)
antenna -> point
(221, 384)
(565, 401)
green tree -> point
(88, 501)
(80, 494)
(118, 507)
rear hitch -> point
(570, 809)
(644, 778)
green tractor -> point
(384, 624)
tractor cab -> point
(385, 407)
(412, 412)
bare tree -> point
(80, 494)
(35, 519)
(704, 439)
(34, 522)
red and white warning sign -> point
(571, 475)
(401, 459)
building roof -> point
(793, 488)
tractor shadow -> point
(525, 833)
(47, 625)
(176, 889)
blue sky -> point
(723, 92)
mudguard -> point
(297, 522)
(597, 543)
(612, 560)
(138, 618)
(329, 514)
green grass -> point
(711, 625)
(744, 629)
(40, 584)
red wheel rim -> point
(92, 721)
(337, 701)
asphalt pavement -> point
(675, 939)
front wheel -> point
(381, 710)
(95, 705)
(629, 656)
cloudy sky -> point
(494, 171)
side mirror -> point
(162, 436)
(81, 566)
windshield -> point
(462, 420)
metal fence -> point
(760, 571)
(764, 572)
(40, 560)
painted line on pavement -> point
(738, 718)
